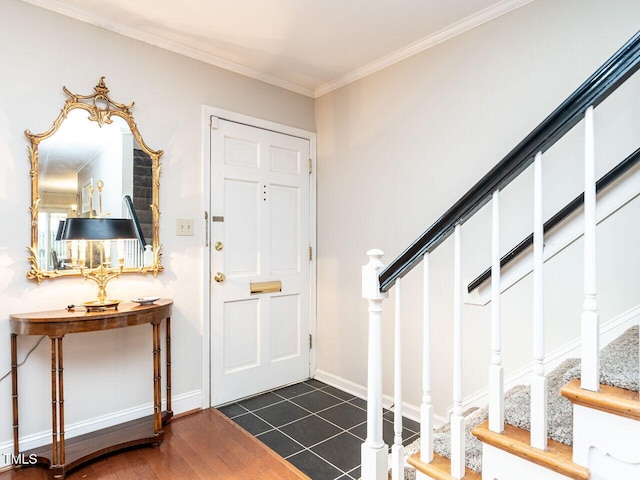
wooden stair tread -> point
(557, 457)
(617, 401)
(439, 468)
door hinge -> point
(310, 253)
(206, 229)
(310, 166)
(310, 341)
(213, 122)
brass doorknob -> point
(219, 277)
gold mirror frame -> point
(100, 108)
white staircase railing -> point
(590, 330)
(374, 450)
(457, 419)
(538, 380)
(426, 408)
(397, 451)
(496, 371)
(378, 280)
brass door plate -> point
(266, 287)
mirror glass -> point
(93, 163)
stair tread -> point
(617, 401)
(557, 457)
(439, 468)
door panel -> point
(285, 228)
(260, 188)
(242, 227)
(285, 327)
(285, 161)
(241, 334)
(241, 152)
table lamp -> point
(101, 230)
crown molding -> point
(451, 31)
(175, 47)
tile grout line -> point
(311, 413)
(342, 430)
(315, 413)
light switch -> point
(184, 226)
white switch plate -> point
(184, 226)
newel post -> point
(374, 450)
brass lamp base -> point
(101, 275)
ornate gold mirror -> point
(93, 164)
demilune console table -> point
(61, 456)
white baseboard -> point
(348, 386)
(408, 410)
(179, 403)
(187, 402)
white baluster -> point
(426, 409)
(397, 451)
(374, 452)
(496, 374)
(457, 420)
(538, 381)
(590, 335)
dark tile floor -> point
(315, 426)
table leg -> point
(157, 395)
(168, 354)
(57, 404)
(14, 392)
(61, 402)
(55, 459)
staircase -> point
(579, 421)
(617, 396)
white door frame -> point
(207, 112)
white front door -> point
(260, 231)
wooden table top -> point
(57, 323)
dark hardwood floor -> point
(203, 445)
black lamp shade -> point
(98, 229)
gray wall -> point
(399, 147)
(40, 52)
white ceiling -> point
(307, 46)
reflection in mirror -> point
(93, 163)
(86, 171)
